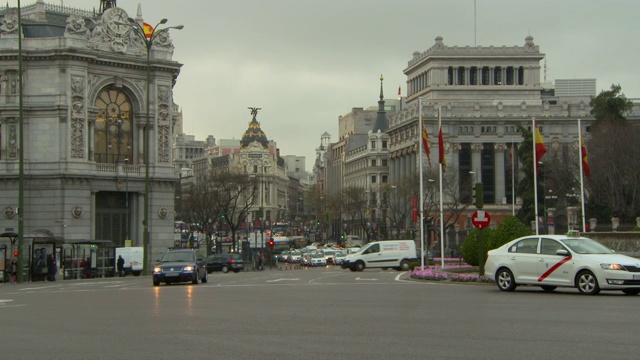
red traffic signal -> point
(15, 253)
(271, 243)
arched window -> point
(114, 127)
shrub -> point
(509, 229)
(470, 246)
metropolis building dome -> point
(254, 132)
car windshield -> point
(586, 246)
(341, 255)
(295, 253)
(178, 256)
(317, 256)
(329, 252)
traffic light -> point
(478, 196)
(271, 243)
(318, 222)
(15, 254)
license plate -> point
(171, 274)
(636, 277)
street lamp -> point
(126, 197)
(148, 39)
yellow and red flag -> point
(541, 149)
(425, 140)
(148, 30)
(585, 157)
(442, 159)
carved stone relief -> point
(78, 117)
(164, 145)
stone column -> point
(500, 191)
(476, 161)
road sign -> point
(480, 219)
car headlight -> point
(188, 268)
(157, 270)
(612, 267)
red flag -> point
(148, 30)
(425, 140)
(541, 149)
(442, 160)
(585, 158)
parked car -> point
(339, 258)
(396, 254)
(550, 261)
(180, 266)
(317, 259)
(329, 256)
(225, 263)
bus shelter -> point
(86, 259)
(36, 248)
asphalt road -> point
(320, 313)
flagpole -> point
(441, 207)
(584, 225)
(421, 187)
(535, 172)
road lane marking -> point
(276, 280)
(366, 279)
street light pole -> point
(126, 198)
(148, 40)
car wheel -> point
(359, 266)
(156, 283)
(195, 279)
(587, 283)
(631, 291)
(205, 279)
(404, 265)
(548, 288)
(352, 269)
(236, 271)
(225, 269)
(505, 281)
(384, 268)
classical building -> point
(84, 117)
(484, 94)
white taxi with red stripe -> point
(550, 261)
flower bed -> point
(436, 273)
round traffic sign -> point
(480, 219)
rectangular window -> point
(384, 179)
(497, 75)
(373, 144)
(373, 179)
(450, 76)
(373, 162)
(509, 75)
(384, 162)
(384, 144)
(473, 76)
(461, 75)
(521, 75)
(485, 75)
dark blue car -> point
(180, 266)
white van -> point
(395, 254)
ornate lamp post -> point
(148, 38)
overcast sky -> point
(306, 62)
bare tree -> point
(356, 208)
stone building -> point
(83, 119)
(483, 93)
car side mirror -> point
(562, 252)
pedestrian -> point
(260, 262)
(120, 266)
(52, 268)
(14, 266)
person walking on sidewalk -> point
(52, 268)
(120, 266)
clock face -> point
(112, 17)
